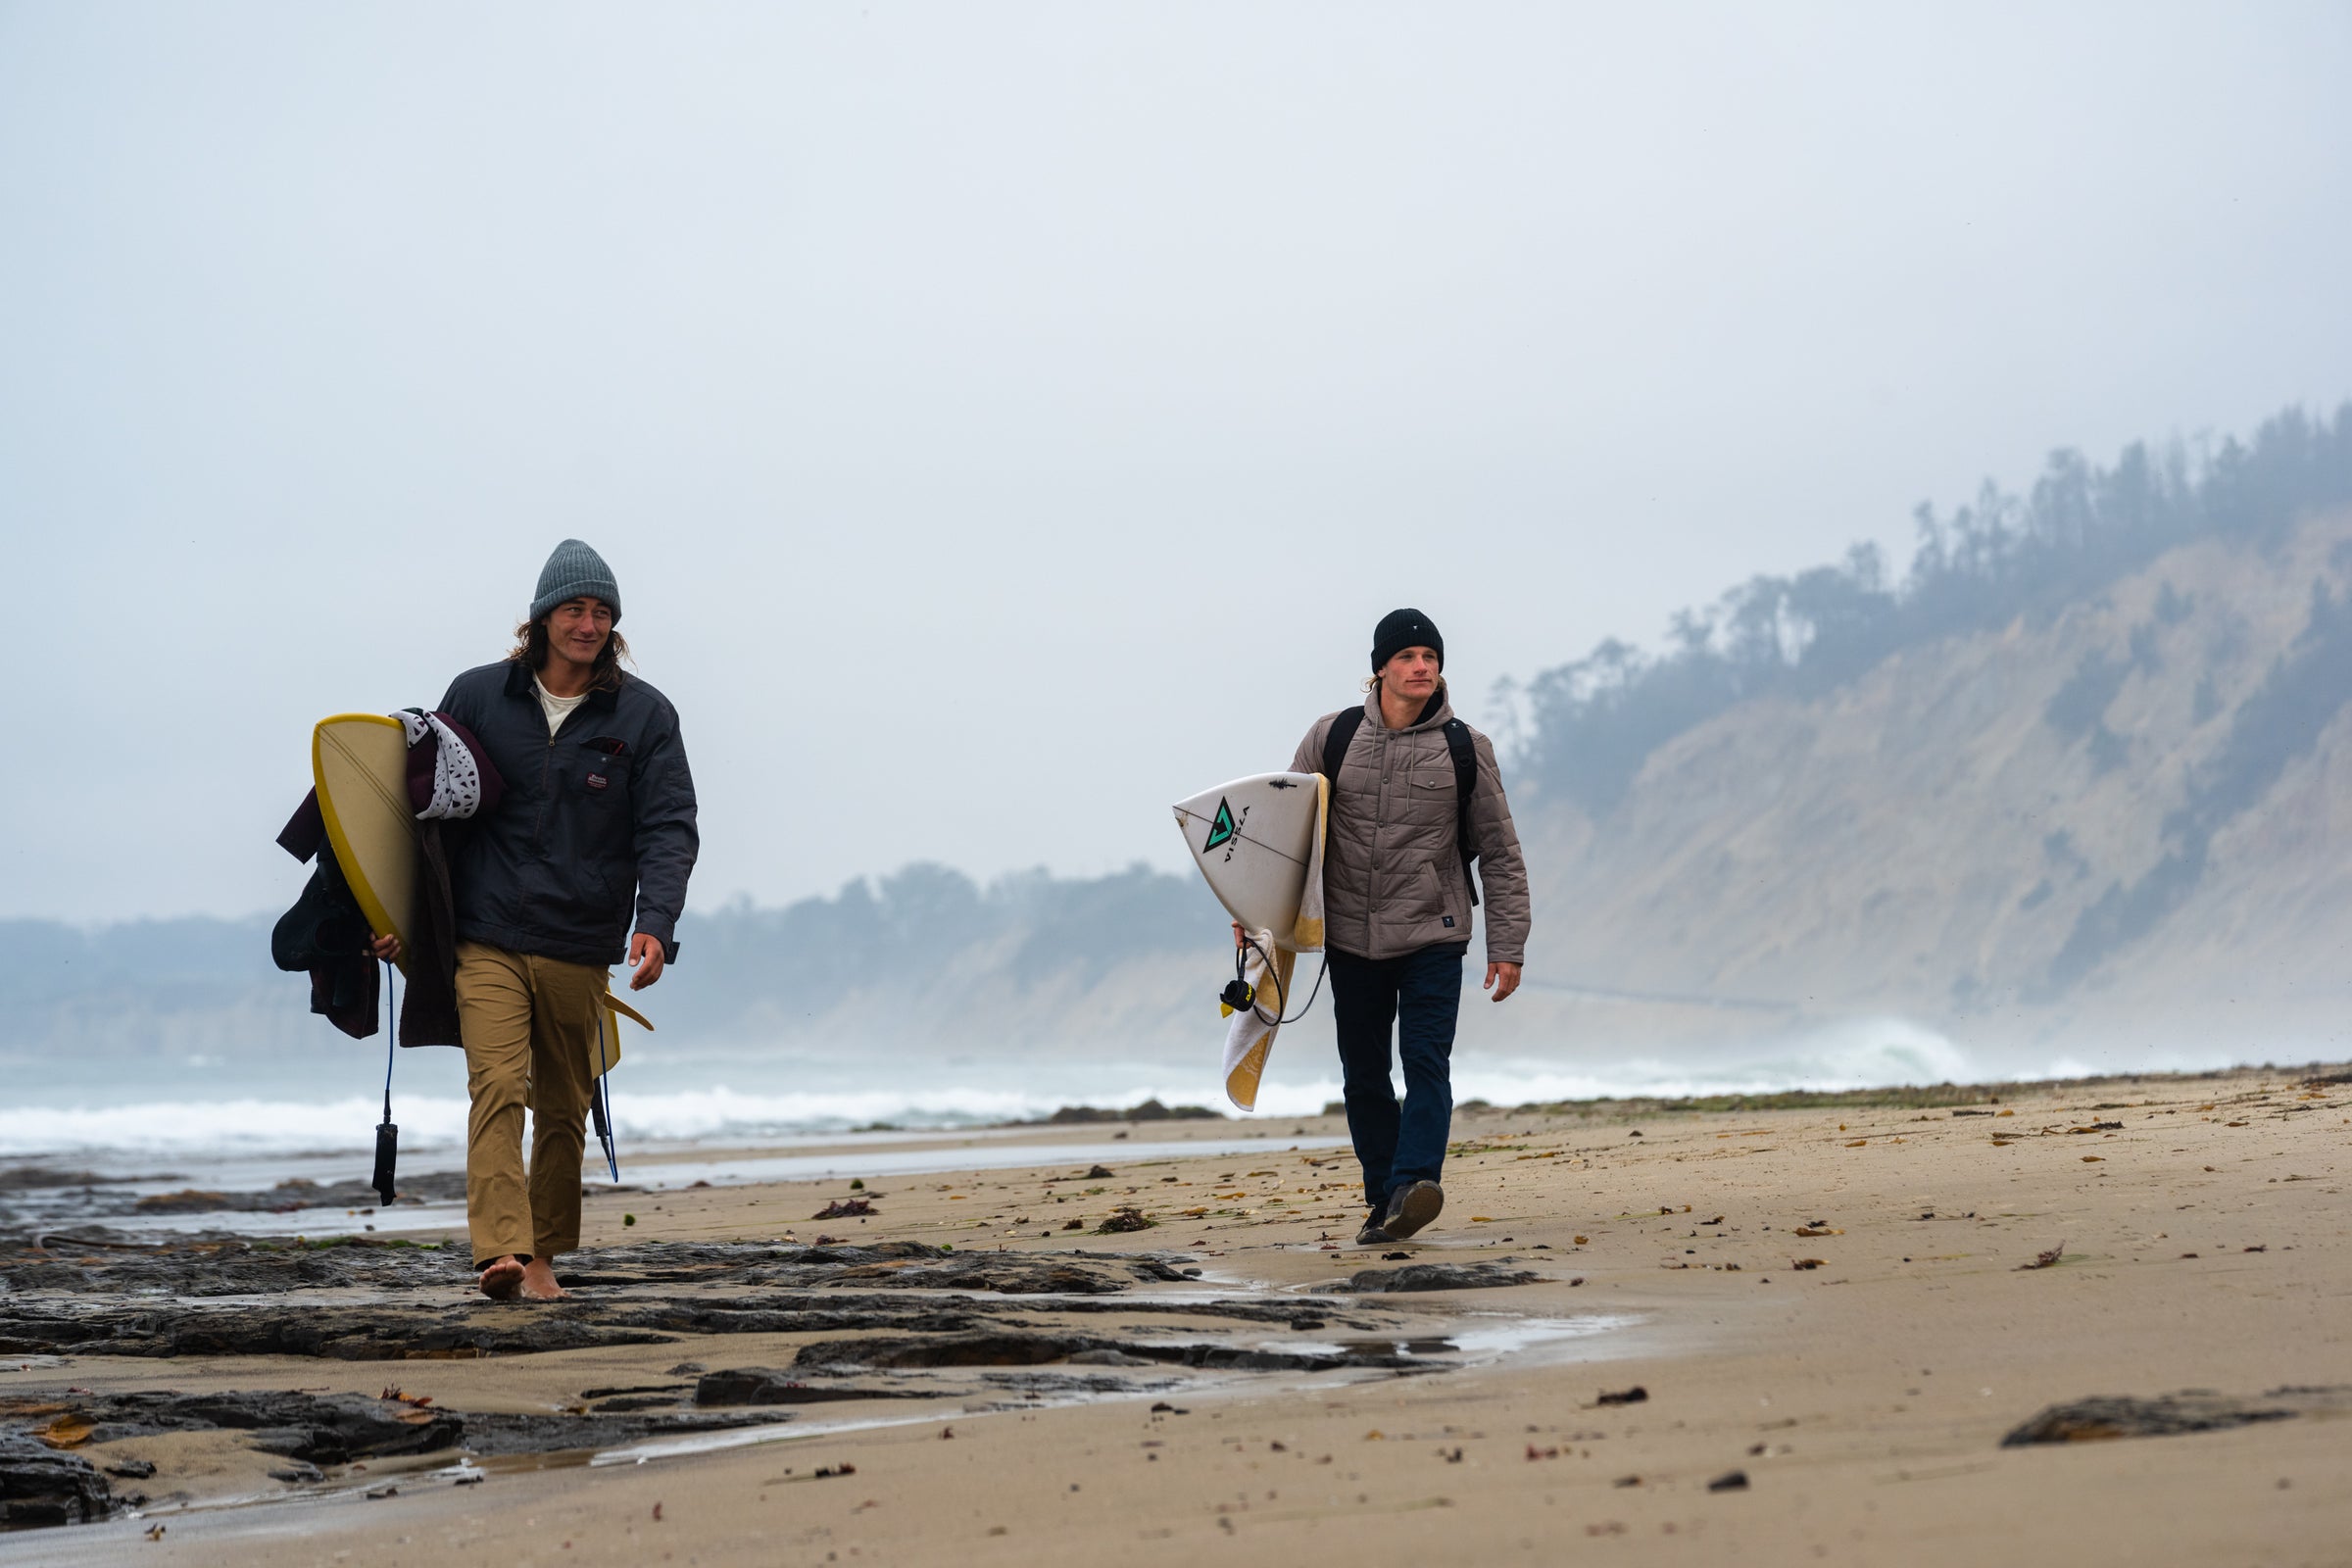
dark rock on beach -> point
(39, 1485)
(760, 1385)
(317, 1429)
(1428, 1277)
(1013, 1348)
(159, 1302)
(2099, 1418)
(307, 1430)
(229, 1268)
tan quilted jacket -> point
(1393, 879)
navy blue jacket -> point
(595, 819)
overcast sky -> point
(1004, 419)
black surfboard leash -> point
(1240, 979)
(387, 1135)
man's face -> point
(579, 628)
(1411, 672)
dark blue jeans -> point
(1418, 996)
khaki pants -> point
(529, 1028)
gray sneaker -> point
(1372, 1235)
(1412, 1207)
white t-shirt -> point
(557, 708)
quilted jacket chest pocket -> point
(1431, 794)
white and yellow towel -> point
(1250, 1037)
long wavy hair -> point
(530, 648)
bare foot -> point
(539, 1282)
(503, 1278)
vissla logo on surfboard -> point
(1222, 830)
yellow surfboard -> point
(360, 764)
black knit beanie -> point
(1400, 629)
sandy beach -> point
(1832, 1314)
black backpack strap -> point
(1466, 784)
(1343, 725)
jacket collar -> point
(520, 678)
(1436, 710)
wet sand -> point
(1863, 1396)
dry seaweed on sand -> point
(2048, 1260)
(1126, 1217)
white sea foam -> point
(1854, 1055)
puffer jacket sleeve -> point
(1309, 759)
(1501, 871)
(666, 838)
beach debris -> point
(1729, 1481)
(1581, 1240)
(387, 1492)
(1817, 1228)
(1857, 1142)
(297, 1471)
(1806, 1262)
(1534, 1453)
(2048, 1260)
(155, 1532)
(846, 1209)
(1074, 1225)
(2103, 1417)
(628, 1219)
(1636, 1395)
(2098, 1127)
(471, 1478)
(1099, 1173)
(830, 1472)
(1427, 1276)
(2093, 1159)
(1625, 1481)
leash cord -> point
(1280, 997)
(391, 1031)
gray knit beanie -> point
(572, 571)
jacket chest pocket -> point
(1431, 794)
(600, 773)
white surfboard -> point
(1255, 839)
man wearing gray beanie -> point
(1416, 798)
(597, 824)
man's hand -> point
(645, 956)
(386, 949)
(1502, 979)
(1239, 941)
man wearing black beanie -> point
(1416, 797)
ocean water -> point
(217, 1111)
